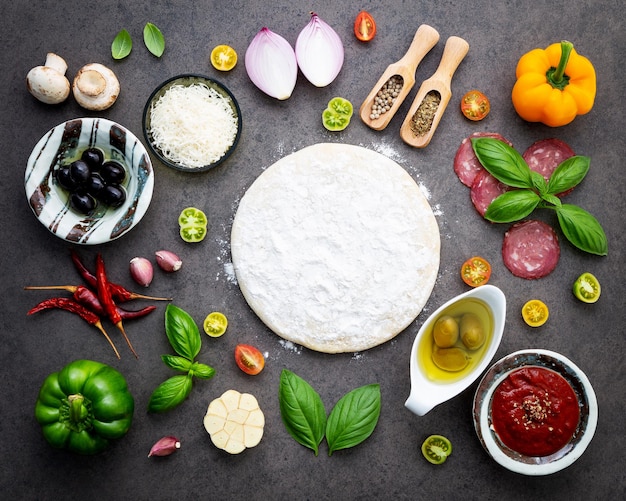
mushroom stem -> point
(56, 63)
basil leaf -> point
(503, 162)
(202, 371)
(582, 229)
(568, 174)
(170, 393)
(154, 40)
(122, 45)
(176, 363)
(302, 410)
(552, 199)
(512, 206)
(182, 332)
(353, 418)
(539, 182)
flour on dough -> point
(335, 248)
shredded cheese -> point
(193, 125)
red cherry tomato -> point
(364, 26)
(249, 359)
(475, 105)
(476, 271)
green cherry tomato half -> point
(436, 449)
(337, 114)
(192, 217)
(341, 106)
(587, 288)
(193, 224)
(191, 234)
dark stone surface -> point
(389, 464)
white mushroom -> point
(48, 82)
(95, 87)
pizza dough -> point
(335, 248)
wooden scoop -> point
(425, 39)
(455, 50)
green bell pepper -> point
(84, 406)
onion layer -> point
(319, 52)
(271, 64)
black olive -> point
(64, 179)
(93, 157)
(79, 172)
(82, 202)
(112, 172)
(112, 195)
(94, 184)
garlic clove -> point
(168, 261)
(165, 447)
(141, 270)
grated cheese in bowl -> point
(192, 123)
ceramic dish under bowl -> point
(512, 460)
(169, 158)
(428, 389)
(50, 202)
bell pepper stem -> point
(76, 407)
(556, 76)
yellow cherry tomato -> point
(535, 313)
(215, 324)
(223, 58)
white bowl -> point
(530, 465)
(50, 202)
(427, 393)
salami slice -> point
(485, 189)
(545, 155)
(531, 249)
(466, 165)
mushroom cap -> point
(48, 83)
(95, 87)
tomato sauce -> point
(535, 411)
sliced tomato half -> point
(249, 359)
(476, 271)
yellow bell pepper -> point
(554, 85)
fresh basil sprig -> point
(351, 421)
(184, 337)
(532, 192)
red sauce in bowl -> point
(535, 411)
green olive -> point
(450, 359)
(472, 332)
(446, 331)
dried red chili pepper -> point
(132, 314)
(72, 306)
(118, 292)
(104, 294)
(89, 299)
(82, 295)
